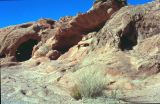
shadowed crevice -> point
(128, 38)
(24, 51)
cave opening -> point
(24, 51)
(2, 55)
(64, 49)
(127, 43)
(128, 38)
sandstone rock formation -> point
(25, 35)
(124, 42)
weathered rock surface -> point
(123, 42)
(15, 36)
(66, 32)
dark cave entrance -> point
(128, 38)
(127, 43)
(2, 55)
(24, 51)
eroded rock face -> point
(30, 33)
(129, 26)
(123, 42)
(70, 30)
(65, 33)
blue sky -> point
(19, 11)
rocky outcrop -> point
(70, 30)
(126, 46)
(15, 36)
(129, 26)
(124, 43)
(65, 33)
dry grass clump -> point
(89, 83)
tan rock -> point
(129, 86)
(51, 68)
(29, 93)
(53, 54)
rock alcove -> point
(24, 51)
(128, 38)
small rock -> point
(129, 86)
(109, 10)
(29, 93)
(53, 54)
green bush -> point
(89, 83)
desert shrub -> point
(89, 83)
(75, 93)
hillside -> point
(110, 54)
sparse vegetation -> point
(89, 83)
